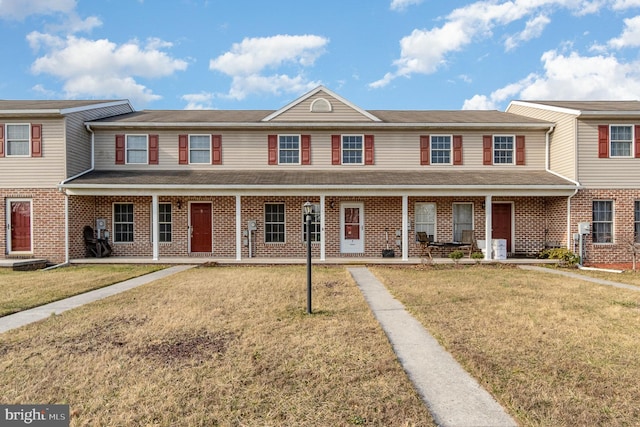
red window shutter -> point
(1, 139)
(273, 149)
(424, 150)
(487, 150)
(369, 158)
(520, 157)
(119, 149)
(306, 149)
(603, 141)
(335, 149)
(457, 149)
(637, 130)
(153, 149)
(183, 149)
(36, 140)
(216, 149)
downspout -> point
(66, 201)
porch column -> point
(405, 228)
(488, 226)
(155, 228)
(322, 248)
(238, 228)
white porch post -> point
(488, 229)
(238, 227)
(155, 228)
(322, 247)
(405, 228)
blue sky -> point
(378, 54)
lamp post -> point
(308, 210)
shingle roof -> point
(9, 105)
(593, 106)
(279, 179)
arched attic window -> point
(321, 105)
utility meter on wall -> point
(252, 225)
(584, 228)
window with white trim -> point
(503, 147)
(137, 149)
(425, 220)
(123, 222)
(621, 140)
(17, 140)
(602, 226)
(637, 222)
(440, 149)
(462, 219)
(352, 149)
(274, 223)
(164, 222)
(315, 224)
(289, 149)
(200, 149)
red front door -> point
(201, 227)
(20, 226)
(501, 221)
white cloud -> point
(20, 9)
(425, 51)
(403, 4)
(570, 77)
(533, 29)
(630, 36)
(101, 68)
(198, 101)
(625, 4)
(249, 61)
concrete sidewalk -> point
(25, 317)
(453, 397)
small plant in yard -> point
(477, 256)
(565, 256)
(456, 255)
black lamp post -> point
(308, 211)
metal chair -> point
(425, 245)
(468, 241)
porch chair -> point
(96, 248)
(468, 241)
(425, 246)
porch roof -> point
(396, 182)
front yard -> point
(216, 346)
(554, 351)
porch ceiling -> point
(316, 181)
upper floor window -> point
(315, 224)
(621, 140)
(274, 223)
(200, 149)
(17, 140)
(426, 219)
(289, 149)
(636, 233)
(441, 149)
(602, 227)
(123, 222)
(137, 149)
(503, 149)
(352, 148)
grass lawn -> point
(20, 290)
(554, 351)
(216, 346)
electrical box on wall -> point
(584, 227)
(101, 224)
(252, 225)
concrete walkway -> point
(453, 397)
(25, 317)
(580, 277)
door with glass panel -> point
(352, 228)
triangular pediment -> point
(321, 105)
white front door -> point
(352, 228)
